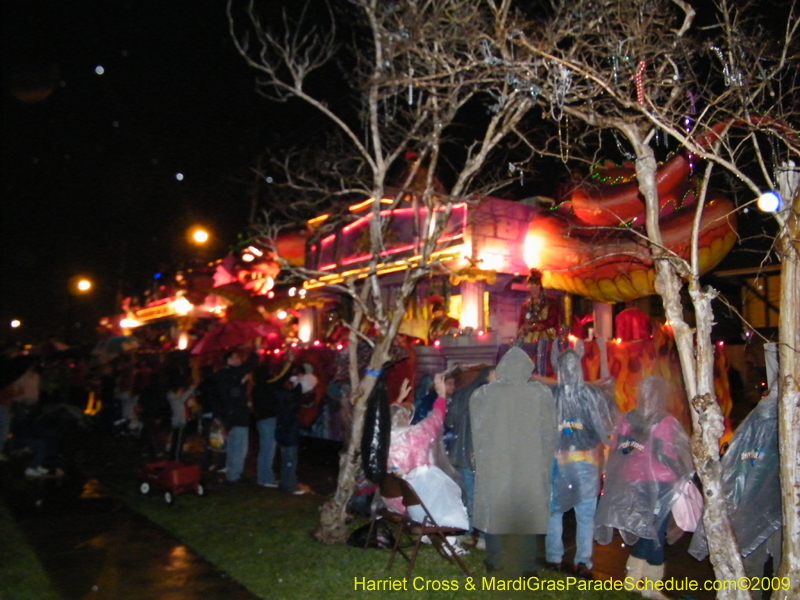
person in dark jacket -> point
(232, 390)
(461, 453)
(210, 410)
(287, 429)
(154, 414)
(265, 409)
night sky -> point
(104, 104)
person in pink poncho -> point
(416, 454)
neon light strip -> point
(448, 254)
(316, 220)
(367, 202)
(356, 223)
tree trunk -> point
(697, 367)
(789, 410)
(333, 515)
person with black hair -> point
(287, 398)
(232, 390)
(265, 409)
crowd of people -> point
(502, 456)
(523, 449)
(156, 399)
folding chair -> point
(428, 527)
(390, 488)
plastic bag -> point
(440, 494)
(688, 507)
(217, 436)
(377, 430)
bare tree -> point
(411, 68)
(643, 69)
(720, 86)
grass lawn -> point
(21, 575)
(261, 538)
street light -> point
(84, 285)
(198, 235)
(15, 323)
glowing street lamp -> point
(15, 323)
(199, 235)
(84, 285)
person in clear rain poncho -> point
(649, 464)
(751, 484)
(586, 418)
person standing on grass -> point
(649, 464)
(752, 488)
(461, 453)
(288, 396)
(585, 423)
(232, 389)
(514, 439)
(265, 409)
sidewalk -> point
(93, 547)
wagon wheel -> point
(144, 488)
(169, 497)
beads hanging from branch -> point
(562, 81)
(622, 150)
(638, 78)
(733, 77)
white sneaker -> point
(35, 473)
(481, 543)
(457, 548)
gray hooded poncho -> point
(585, 423)
(514, 440)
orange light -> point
(317, 220)
(367, 202)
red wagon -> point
(173, 477)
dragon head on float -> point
(593, 242)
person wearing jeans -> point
(266, 452)
(287, 396)
(264, 409)
(585, 423)
(231, 387)
(584, 535)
